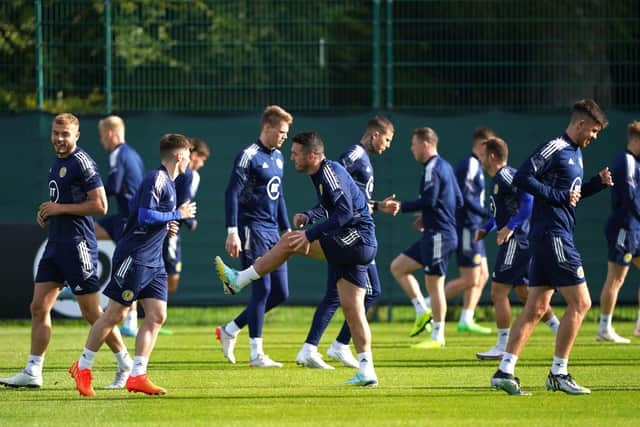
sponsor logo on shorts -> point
(580, 272)
(627, 257)
(127, 295)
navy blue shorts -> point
(114, 226)
(512, 262)
(73, 264)
(255, 243)
(372, 287)
(555, 262)
(468, 252)
(623, 246)
(349, 256)
(131, 281)
(433, 252)
(172, 254)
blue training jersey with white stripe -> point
(356, 161)
(625, 194)
(70, 179)
(439, 198)
(471, 182)
(143, 242)
(506, 201)
(254, 195)
(554, 169)
(125, 175)
(344, 203)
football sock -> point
(246, 276)
(508, 363)
(553, 324)
(123, 359)
(232, 328)
(34, 365)
(438, 331)
(605, 322)
(365, 359)
(309, 348)
(139, 366)
(131, 320)
(503, 337)
(427, 302)
(466, 317)
(419, 305)
(86, 360)
(255, 344)
(559, 366)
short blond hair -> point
(66, 118)
(274, 114)
(633, 130)
(111, 122)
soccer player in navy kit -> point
(138, 269)
(553, 175)
(510, 210)
(76, 192)
(376, 139)
(126, 170)
(622, 232)
(346, 240)
(439, 197)
(255, 214)
(471, 255)
(186, 188)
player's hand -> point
(480, 233)
(574, 197)
(187, 210)
(233, 245)
(390, 205)
(298, 242)
(605, 176)
(417, 223)
(48, 209)
(504, 234)
(300, 220)
(40, 220)
(172, 228)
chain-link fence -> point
(325, 55)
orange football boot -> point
(142, 384)
(83, 380)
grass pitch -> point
(417, 387)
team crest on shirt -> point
(320, 189)
(127, 295)
(279, 163)
(580, 272)
(62, 172)
(495, 189)
(627, 257)
(477, 258)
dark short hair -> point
(483, 133)
(171, 142)
(310, 141)
(427, 134)
(380, 124)
(200, 147)
(589, 108)
(498, 148)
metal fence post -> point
(389, 56)
(107, 57)
(375, 81)
(39, 74)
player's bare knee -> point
(397, 268)
(38, 311)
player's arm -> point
(428, 196)
(385, 206)
(96, 204)
(485, 229)
(470, 201)
(117, 173)
(283, 220)
(315, 214)
(237, 181)
(526, 179)
(342, 213)
(597, 183)
(624, 177)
